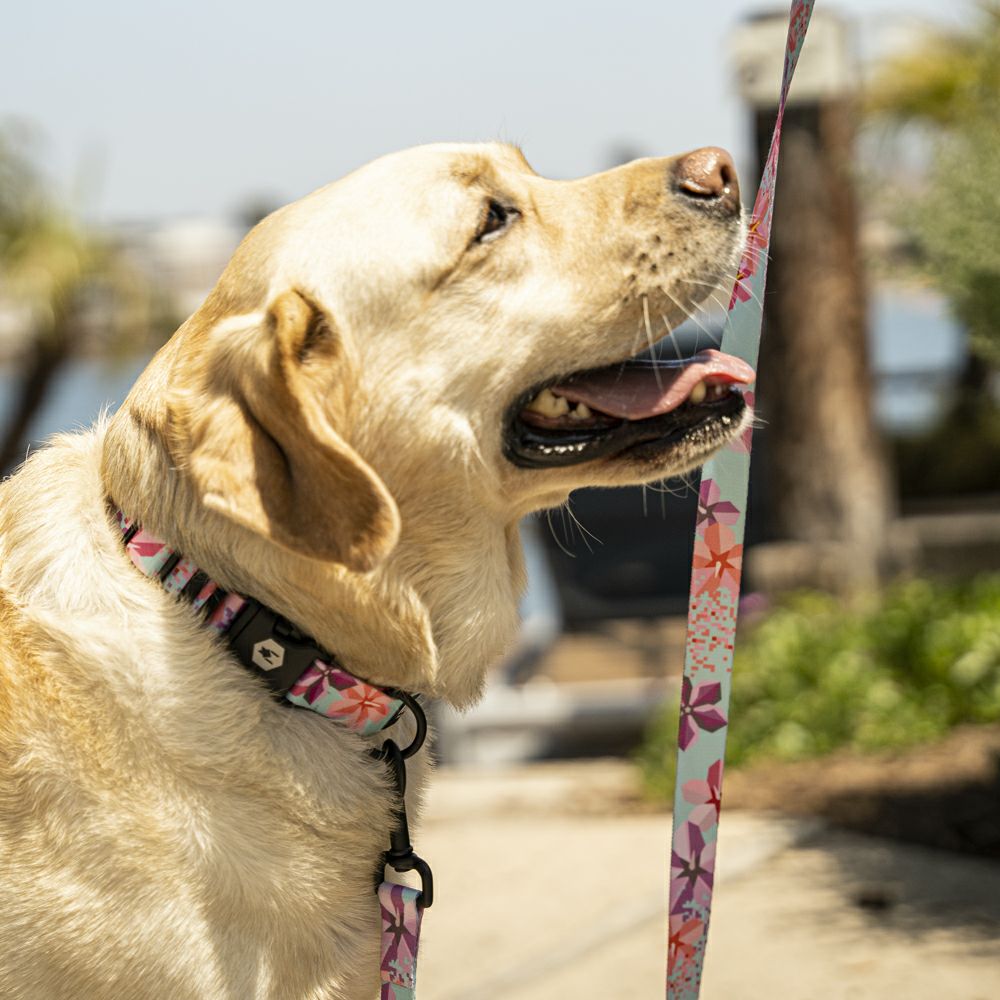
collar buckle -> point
(272, 646)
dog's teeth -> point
(698, 393)
(580, 412)
(549, 404)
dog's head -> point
(394, 369)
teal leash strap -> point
(714, 601)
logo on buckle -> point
(268, 654)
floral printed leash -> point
(714, 599)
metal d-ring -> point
(419, 717)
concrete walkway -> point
(550, 884)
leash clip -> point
(401, 857)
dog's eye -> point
(498, 218)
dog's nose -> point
(708, 176)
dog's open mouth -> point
(631, 407)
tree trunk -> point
(46, 355)
(829, 481)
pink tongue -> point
(637, 393)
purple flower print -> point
(317, 681)
(692, 869)
(712, 509)
(400, 933)
(706, 797)
(696, 712)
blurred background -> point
(138, 143)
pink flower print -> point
(706, 797)
(712, 509)
(361, 704)
(225, 614)
(696, 712)
(146, 548)
(758, 238)
(799, 23)
(692, 869)
(717, 554)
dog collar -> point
(293, 666)
(299, 671)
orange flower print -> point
(685, 936)
(361, 704)
(719, 558)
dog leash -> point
(714, 601)
(300, 672)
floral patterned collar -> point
(290, 663)
(297, 670)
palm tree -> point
(949, 86)
(51, 269)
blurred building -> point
(181, 258)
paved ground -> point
(550, 885)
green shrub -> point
(819, 674)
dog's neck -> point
(429, 620)
(291, 664)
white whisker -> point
(584, 532)
(649, 338)
(677, 347)
(552, 531)
(691, 316)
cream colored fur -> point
(324, 434)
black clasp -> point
(271, 646)
(400, 857)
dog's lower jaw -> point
(694, 454)
(535, 490)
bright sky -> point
(196, 106)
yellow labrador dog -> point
(389, 374)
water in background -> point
(81, 391)
(917, 352)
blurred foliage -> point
(819, 674)
(52, 268)
(958, 456)
(43, 255)
(950, 85)
(64, 287)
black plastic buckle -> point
(271, 646)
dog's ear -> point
(261, 449)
